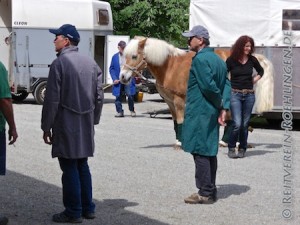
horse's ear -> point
(139, 37)
(142, 43)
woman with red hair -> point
(240, 64)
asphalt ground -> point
(138, 177)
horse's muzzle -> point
(125, 77)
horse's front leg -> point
(179, 103)
(174, 117)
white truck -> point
(275, 27)
(26, 45)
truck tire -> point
(39, 92)
(20, 96)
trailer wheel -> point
(39, 92)
(20, 96)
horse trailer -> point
(26, 45)
(275, 27)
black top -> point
(241, 74)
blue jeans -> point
(241, 108)
(2, 152)
(118, 101)
(77, 187)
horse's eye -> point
(134, 57)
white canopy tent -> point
(263, 20)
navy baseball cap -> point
(68, 31)
(198, 31)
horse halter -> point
(139, 67)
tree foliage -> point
(163, 19)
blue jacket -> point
(114, 71)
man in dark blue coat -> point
(72, 106)
(117, 61)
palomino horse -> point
(170, 66)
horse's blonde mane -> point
(155, 51)
(132, 47)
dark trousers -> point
(205, 175)
(2, 152)
(77, 187)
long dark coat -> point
(73, 104)
(208, 92)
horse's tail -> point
(265, 86)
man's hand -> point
(221, 118)
(7, 110)
(12, 136)
(116, 81)
(47, 137)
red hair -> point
(237, 50)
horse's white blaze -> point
(125, 75)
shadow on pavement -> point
(28, 201)
(251, 152)
(266, 145)
(159, 146)
(226, 190)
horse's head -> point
(135, 60)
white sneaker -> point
(119, 115)
(223, 144)
(133, 114)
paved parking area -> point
(139, 178)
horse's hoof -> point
(177, 145)
(223, 144)
(250, 146)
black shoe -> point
(89, 216)
(63, 218)
(231, 153)
(3, 220)
(241, 153)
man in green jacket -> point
(6, 115)
(208, 98)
